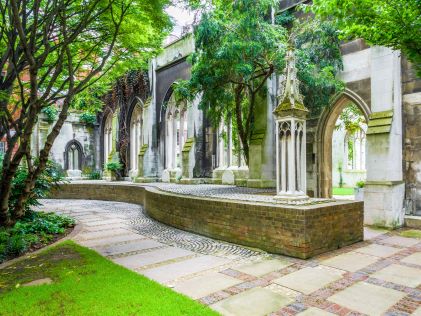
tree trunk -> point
(43, 159)
(239, 118)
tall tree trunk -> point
(239, 118)
(33, 175)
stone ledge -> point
(298, 231)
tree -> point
(392, 23)
(53, 50)
(239, 47)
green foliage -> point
(50, 113)
(392, 23)
(360, 184)
(319, 60)
(95, 175)
(351, 119)
(35, 228)
(238, 48)
(51, 177)
(88, 118)
(113, 166)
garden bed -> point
(35, 231)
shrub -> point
(360, 184)
(88, 118)
(95, 175)
(113, 166)
(51, 177)
(34, 228)
(50, 113)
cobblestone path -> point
(380, 276)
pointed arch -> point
(324, 135)
(73, 155)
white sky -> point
(181, 17)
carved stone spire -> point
(290, 101)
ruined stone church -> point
(158, 140)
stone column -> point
(229, 138)
(384, 191)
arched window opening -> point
(176, 133)
(108, 137)
(73, 158)
(136, 139)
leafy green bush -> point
(113, 166)
(95, 175)
(50, 113)
(34, 228)
(50, 178)
(88, 118)
(360, 184)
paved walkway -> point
(381, 276)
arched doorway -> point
(327, 125)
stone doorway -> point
(327, 127)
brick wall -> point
(294, 231)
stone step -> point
(413, 221)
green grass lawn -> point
(85, 283)
(343, 191)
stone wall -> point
(73, 130)
(412, 152)
(295, 231)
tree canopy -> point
(392, 23)
(240, 45)
(53, 50)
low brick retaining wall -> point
(298, 231)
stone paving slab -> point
(112, 240)
(105, 227)
(204, 285)
(401, 241)
(103, 222)
(371, 233)
(137, 245)
(379, 250)
(415, 258)
(351, 261)
(309, 279)
(179, 269)
(254, 302)
(103, 233)
(156, 256)
(263, 267)
(367, 298)
(399, 274)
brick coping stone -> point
(301, 231)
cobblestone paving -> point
(231, 193)
(380, 276)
